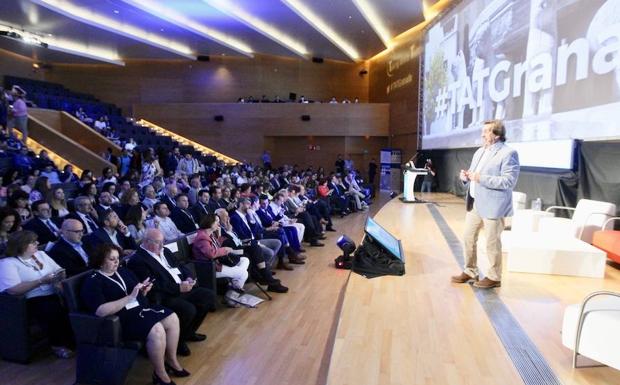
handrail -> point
(582, 316)
(609, 220)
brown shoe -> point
(487, 283)
(283, 266)
(463, 278)
(296, 261)
(300, 256)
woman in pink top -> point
(20, 113)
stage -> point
(423, 329)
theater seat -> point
(20, 338)
(103, 357)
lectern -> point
(411, 173)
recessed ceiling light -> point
(87, 16)
(184, 22)
(116, 11)
(321, 26)
(350, 17)
(49, 34)
(374, 19)
(161, 29)
(259, 26)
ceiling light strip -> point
(66, 46)
(260, 26)
(181, 21)
(89, 17)
(371, 16)
(317, 23)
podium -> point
(410, 175)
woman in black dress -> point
(115, 290)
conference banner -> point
(549, 68)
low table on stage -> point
(410, 174)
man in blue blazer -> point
(490, 180)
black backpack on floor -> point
(371, 260)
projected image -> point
(549, 68)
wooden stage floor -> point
(423, 329)
(340, 329)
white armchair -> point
(588, 217)
(589, 328)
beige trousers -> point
(493, 230)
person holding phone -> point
(115, 290)
(25, 270)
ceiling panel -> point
(341, 15)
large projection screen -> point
(549, 68)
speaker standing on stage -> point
(491, 177)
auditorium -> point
(309, 192)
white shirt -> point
(483, 159)
(14, 271)
(87, 220)
(167, 227)
(164, 262)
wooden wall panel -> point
(222, 80)
(17, 65)
(242, 133)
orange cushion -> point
(609, 241)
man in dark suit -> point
(181, 216)
(112, 230)
(68, 251)
(105, 203)
(201, 208)
(173, 287)
(84, 212)
(169, 195)
(42, 224)
(215, 201)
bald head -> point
(72, 230)
(153, 240)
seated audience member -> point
(18, 201)
(51, 173)
(273, 230)
(173, 287)
(90, 190)
(42, 224)
(135, 221)
(111, 188)
(28, 186)
(86, 177)
(228, 198)
(316, 207)
(115, 290)
(58, 203)
(313, 229)
(162, 221)
(81, 115)
(208, 245)
(278, 212)
(268, 220)
(41, 189)
(194, 187)
(150, 197)
(129, 199)
(113, 231)
(169, 196)
(67, 175)
(22, 161)
(69, 251)
(201, 208)
(248, 231)
(341, 200)
(107, 176)
(215, 199)
(9, 223)
(32, 273)
(182, 217)
(104, 203)
(100, 125)
(125, 186)
(260, 257)
(85, 213)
